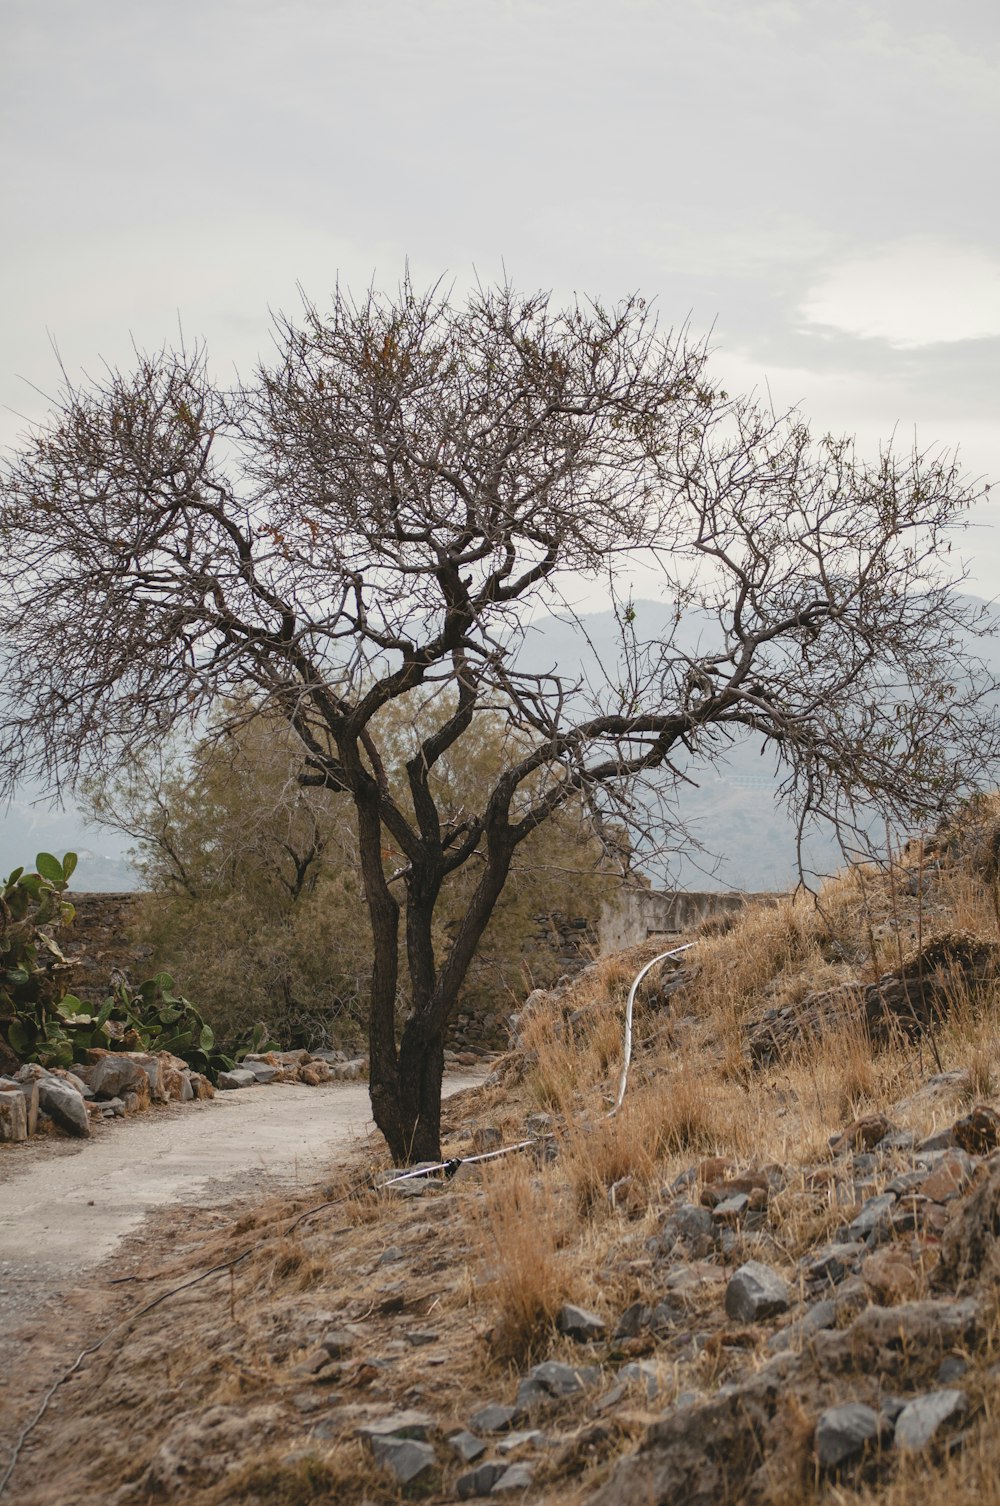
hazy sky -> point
(816, 180)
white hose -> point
(627, 1053)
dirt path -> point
(68, 1204)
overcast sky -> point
(816, 180)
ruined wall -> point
(640, 913)
(99, 942)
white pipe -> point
(627, 1054)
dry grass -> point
(525, 1278)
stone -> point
(641, 1373)
(485, 1138)
(405, 1457)
(406, 1424)
(979, 1131)
(153, 1068)
(632, 1321)
(29, 1092)
(315, 1073)
(200, 1085)
(580, 1324)
(691, 1227)
(564, 1380)
(844, 1433)
(515, 1477)
(862, 1134)
(890, 1277)
(494, 1418)
(337, 1342)
(480, 1481)
(349, 1071)
(874, 1212)
(821, 1315)
(949, 1179)
(13, 1115)
(113, 1075)
(918, 1422)
(239, 1077)
(467, 1446)
(833, 1262)
(263, 1071)
(756, 1292)
(64, 1106)
(522, 1439)
(731, 1209)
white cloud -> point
(913, 292)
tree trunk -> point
(421, 1068)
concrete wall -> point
(640, 913)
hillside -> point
(770, 1278)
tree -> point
(372, 518)
(254, 900)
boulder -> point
(239, 1077)
(64, 1106)
(844, 1433)
(580, 1324)
(114, 1075)
(756, 1292)
(407, 1459)
(13, 1115)
(29, 1092)
(918, 1422)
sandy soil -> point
(67, 1205)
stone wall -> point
(638, 914)
(99, 942)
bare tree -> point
(373, 517)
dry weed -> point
(523, 1226)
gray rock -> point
(113, 1075)
(13, 1115)
(467, 1446)
(832, 1263)
(391, 1256)
(407, 1458)
(564, 1380)
(641, 1372)
(918, 1422)
(951, 1368)
(580, 1324)
(64, 1105)
(239, 1077)
(873, 1213)
(480, 1481)
(821, 1315)
(632, 1321)
(691, 1227)
(755, 1292)
(407, 1424)
(262, 1071)
(730, 1208)
(494, 1418)
(522, 1439)
(843, 1433)
(337, 1342)
(515, 1477)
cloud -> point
(914, 292)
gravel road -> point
(66, 1205)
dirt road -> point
(66, 1205)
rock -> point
(979, 1132)
(467, 1446)
(580, 1324)
(200, 1085)
(494, 1418)
(337, 1342)
(480, 1481)
(405, 1457)
(632, 1321)
(862, 1134)
(114, 1075)
(153, 1068)
(239, 1077)
(29, 1092)
(515, 1477)
(918, 1422)
(832, 1263)
(262, 1071)
(691, 1227)
(406, 1424)
(513, 1441)
(755, 1292)
(350, 1071)
(564, 1380)
(890, 1277)
(485, 1138)
(641, 1372)
(13, 1115)
(315, 1073)
(949, 1178)
(821, 1315)
(731, 1209)
(874, 1213)
(844, 1433)
(64, 1106)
